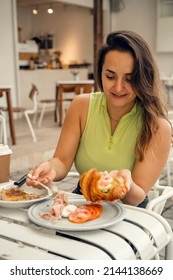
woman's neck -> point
(114, 119)
(115, 114)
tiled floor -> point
(27, 154)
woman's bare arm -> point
(70, 136)
(147, 172)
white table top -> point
(5, 86)
(140, 235)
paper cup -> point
(5, 154)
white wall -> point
(141, 17)
(72, 27)
(8, 68)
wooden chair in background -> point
(48, 103)
(26, 111)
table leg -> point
(60, 105)
(56, 104)
(11, 120)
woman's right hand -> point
(44, 173)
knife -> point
(21, 181)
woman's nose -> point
(118, 84)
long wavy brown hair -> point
(145, 82)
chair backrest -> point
(77, 88)
(34, 91)
(86, 88)
(158, 198)
(67, 88)
(33, 96)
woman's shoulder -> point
(80, 102)
(83, 99)
(164, 124)
(165, 128)
(81, 105)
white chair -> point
(168, 167)
(158, 198)
(26, 111)
(50, 103)
(170, 159)
(43, 105)
(3, 130)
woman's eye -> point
(128, 79)
(110, 77)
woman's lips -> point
(119, 96)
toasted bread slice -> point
(14, 194)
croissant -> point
(101, 186)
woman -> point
(123, 128)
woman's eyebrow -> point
(111, 71)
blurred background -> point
(32, 38)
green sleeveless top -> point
(98, 148)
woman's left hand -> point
(125, 173)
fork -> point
(50, 191)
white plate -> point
(24, 203)
(6, 185)
(112, 214)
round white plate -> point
(112, 214)
(6, 185)
(24, 203)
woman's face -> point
(116, 78)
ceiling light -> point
(50, 11)
(34, 11)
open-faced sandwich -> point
(101, 186)
(16, 194)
